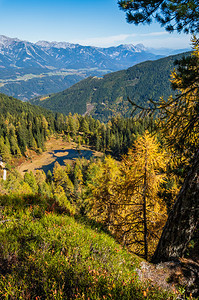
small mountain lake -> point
(56, 151)
(61, 156)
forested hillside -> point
(24, 126)
(123, 224)
(60, 225)
(107, 96)
(127, 196)
(83, 261)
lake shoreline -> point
(56, 150)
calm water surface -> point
(71, 154)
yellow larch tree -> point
(103, 193)
(142, 212)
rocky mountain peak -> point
(132, 48)
(46, 44)
(7, 41)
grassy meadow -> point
(47, 254)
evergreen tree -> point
(14, 146)
(180, 115)
(183, 16)
(22, 138)
(182, 222)
(174, 15)
(4, 150)
(49, 176)
(84, 127)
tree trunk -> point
(182, 220)
(144, 212)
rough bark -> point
(182, 220)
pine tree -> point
(174, 15)
(179, 119)
(183, 220)
(180, 16)
(49, 176)
(22, 138)
(14, 146)
(77, 178)
(84, 127)
(4, 150)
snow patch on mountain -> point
(16, 53)
(64, 45)
(6, 41)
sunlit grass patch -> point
(53, 256)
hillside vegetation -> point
(128, 198)
(23, 126)
(56, 229)
(46, 254)
(26, 127)
(108, 95)
(101, 193)
(86, 229)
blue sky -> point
(87, 22)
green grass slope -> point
(46, 254)
(108, 95)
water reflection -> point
(70, 154)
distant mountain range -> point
(31, 69)
(106, 97)
(15, 53)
